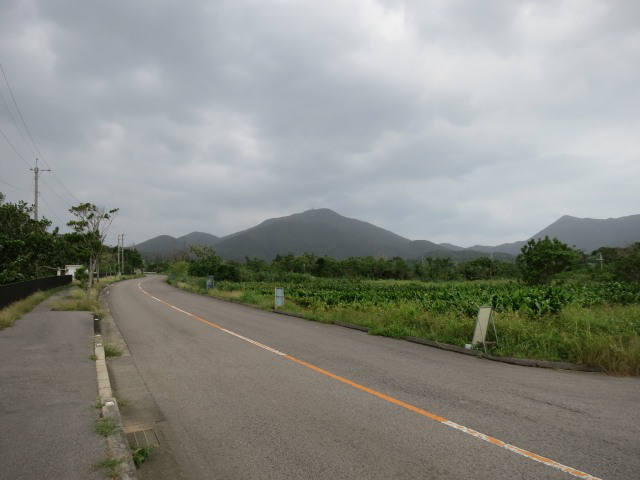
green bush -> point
(542, 259)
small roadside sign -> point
(485, 315)
(279, 297)
(211, 282)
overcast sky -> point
(453, 121)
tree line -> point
(33, 249)
(540, 261)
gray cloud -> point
(450, 121)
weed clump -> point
(111, 350)
(111, 467)
(140, 455)
(105, 426)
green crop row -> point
(456, 297)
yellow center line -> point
(432, 416)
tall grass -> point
(76, 299)
(15, 310)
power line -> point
(14, 148)
(52, 212)
(57, 179)
(64, 201)
(55, 176)
(12, 186)
(48, 207)
(37, 151)
(6, 80)
(13, 118)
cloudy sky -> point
(454, 121)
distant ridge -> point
(166, 246)
(322, 232)
(587, 234)
(325, 232)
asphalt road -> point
(238, 410)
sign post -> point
(279, 297)
(485, 315)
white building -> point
(71, 270)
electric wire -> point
(48, 213)
(14, 148)
(13, 119)
(12, 186)
(36, 150)
(64, 200)
(6, 81)
(27, 163)
(48, 208)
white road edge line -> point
(230, 332)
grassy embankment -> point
(76, 300)
(15, 310)
(600, 329)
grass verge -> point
(110, 466)
(76, 299)
(602, 336)
(105, 426)
(15, 310)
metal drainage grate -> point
(143, 439)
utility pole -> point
(36, 173)
(119, 269)
(121, 254)
(118, 257)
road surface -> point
(251, 394)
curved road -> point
(251, 394)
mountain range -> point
(166, 246)
(587, 234)
(325, 232)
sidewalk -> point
(47, 392)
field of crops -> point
(458, 297)
(597, 324)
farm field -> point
(593, 323)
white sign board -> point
(482, 323)
(279, 296)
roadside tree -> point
(206, 262)
(92, 223)
(544, 258)
(26, 247)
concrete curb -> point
(117, 446)
(523, 362)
